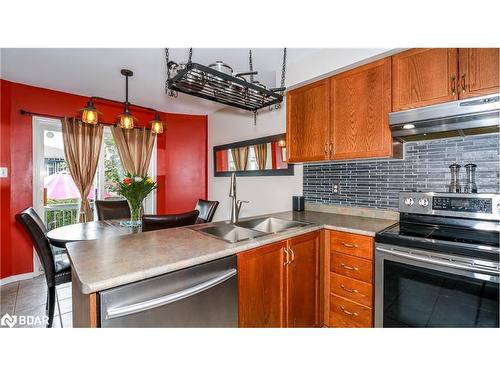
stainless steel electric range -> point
(439, 266)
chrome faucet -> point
(235, 204)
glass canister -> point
(454, 186)
(470, 183)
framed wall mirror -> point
(264, 156)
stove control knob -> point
(424, 202)
(409, 201)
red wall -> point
(181, 154)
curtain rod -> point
(28, 113)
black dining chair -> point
(112, 209)
(156, 222)
(207, 210)
(56, 272)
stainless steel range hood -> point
(478, 115)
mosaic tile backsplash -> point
(376, 183)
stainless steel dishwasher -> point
(201, 296)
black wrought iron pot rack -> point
(207, 83)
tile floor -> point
(28, 297)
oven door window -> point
(420, 297)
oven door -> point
(417, 288)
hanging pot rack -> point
(207, 83)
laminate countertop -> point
(113, 261)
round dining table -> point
(91, 230)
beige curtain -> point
(135, 147)
(82, 145)
(261, 155)
(240, 157)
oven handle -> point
(169, 298)
(438, 262)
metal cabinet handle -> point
(330, 149)
(293, 254)
(169, 298)
(349, 245)
(463, 83)
(349, 267)
(348, 290)
(453, 86)
(287, 256)
(348, 312)
(326, 149)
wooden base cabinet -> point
(350, 281)
(278, 284)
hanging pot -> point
(221, 67)
(215, 81)
(191, 82)
(237, 89)
(257, 83)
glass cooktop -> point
(441, 238)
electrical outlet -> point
(336, 188)
(4, 172)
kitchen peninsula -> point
(108, 263)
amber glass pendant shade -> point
(90, 115)
(126, 121)
(156, 125)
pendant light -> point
(90, 115)
(126, 120)
(156, 124)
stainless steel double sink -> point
(248, 229)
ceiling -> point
(96, 71)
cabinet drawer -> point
(347, 314)
(355, 290)
(352, 244)
(356, 268)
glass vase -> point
(135, 214)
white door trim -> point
(39, 124)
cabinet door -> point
(307, 122)
(424, 76)
(303, 281)
(261, 279)
(478, 71)
(361, 102)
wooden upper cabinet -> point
(424, 76)
(303, 281)
(360, 105)
(307, 122)
(261, 279)
(478, 71)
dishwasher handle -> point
(118, 312)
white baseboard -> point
(14, 278)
